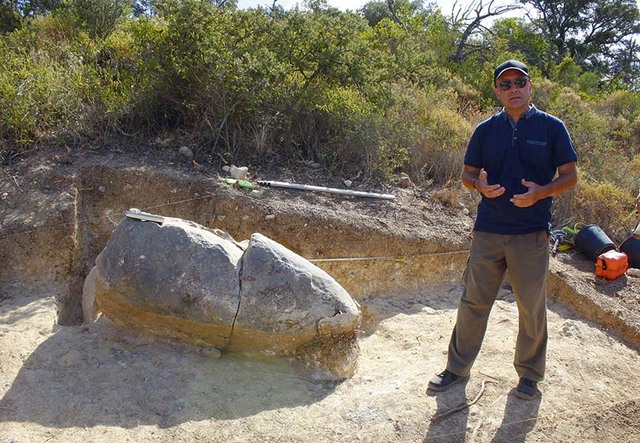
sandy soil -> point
(96, 383)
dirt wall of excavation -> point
(52, 248)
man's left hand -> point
(529, 198)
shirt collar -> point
(528, 114)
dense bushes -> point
(282, 86)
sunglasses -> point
(519, 83)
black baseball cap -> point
(508, 65)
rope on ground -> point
(436, 418)
(399, 258)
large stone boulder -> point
(286, 301)
(183, 281)
(288, 305)
(177, 280)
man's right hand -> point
(489, 191)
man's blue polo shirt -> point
(531, 149)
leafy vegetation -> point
(395, 87)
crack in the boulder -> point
(233, 323)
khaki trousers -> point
(527, 259)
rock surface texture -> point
(183, 281)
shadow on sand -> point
(98, 375)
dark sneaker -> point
(527, 389)
(444, 380)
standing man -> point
(517, 160)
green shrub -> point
(621, 104)
(97, 17)
(567, 73)
(352, 129)
(427, 125)
(607, 205)
(545, 92)
(45, 88)
(622, 110)
(589, 131)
